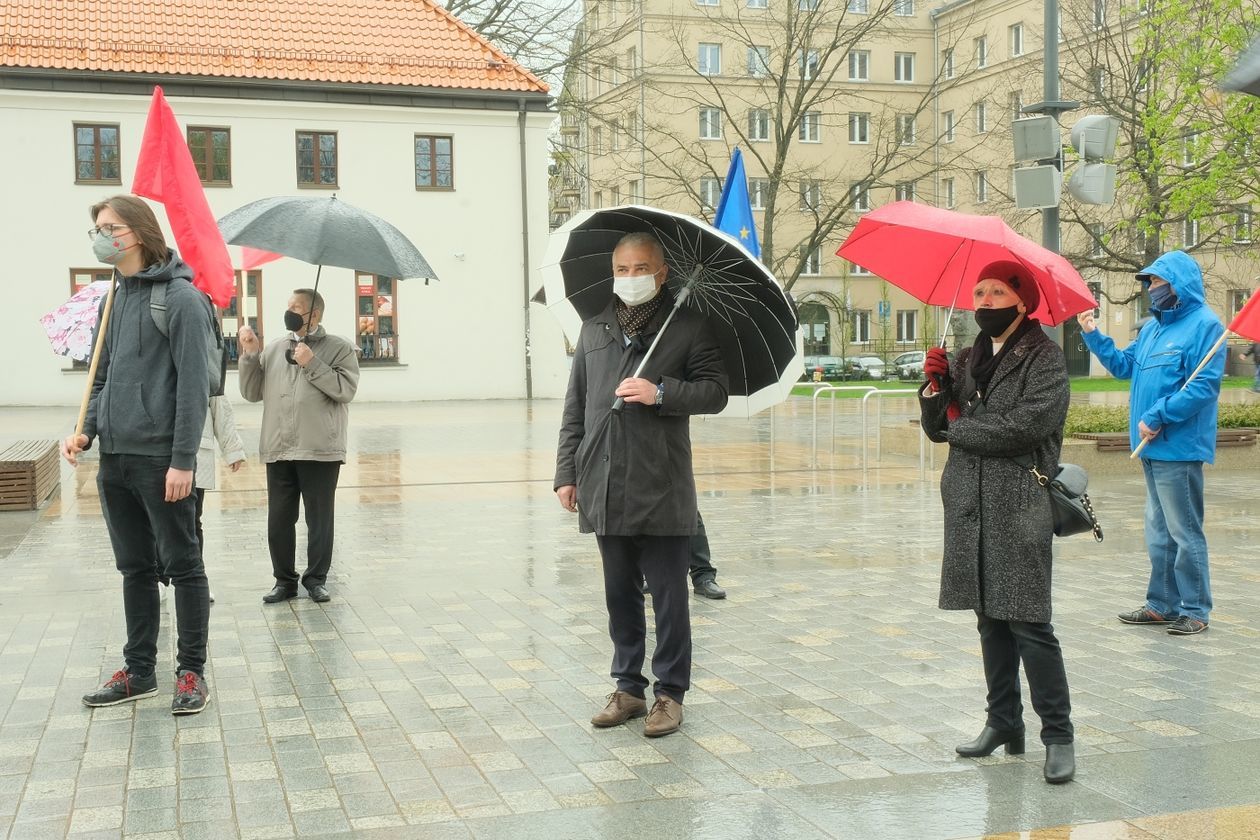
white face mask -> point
(635, 290)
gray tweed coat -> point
(997, 518)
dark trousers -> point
(150, 534)
(701, 562)
(1003, 645)
(314, 484)
(662, 562)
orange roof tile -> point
(382, 42)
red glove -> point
(936, 367)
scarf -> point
(983, 363)
(633, 319)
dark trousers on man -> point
(1003, 644)
(314, 484)
(150, 534)
(701, 562)
(662, 562)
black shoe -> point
(989, 740)
(279, 593)
(191, 693)
(708, 588)
(1145, 615)
(319, 593)
(1187, 626)
(1060, 763)
(122, 688)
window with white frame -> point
(906, 191)
(859, 127)
(614, 134)
(1189, 150)
(1242, 225)
(615, 195)
(903, 8)
(811, 127)
(1017, 105)
(947, 122)
(982, 117)
(759, 61)
(758, 192)
(710, 192)
(1098, 78)
(1139, 241)
(858, 271)
(811, 196)
(907, 326)
(808, 60)
(947, 190)
(807, 5)
(811, 260)
(599, 199)
(634, 191)
(1095, 240)
(1190, 233)
(903, 67)
(859, 65)
(982, 51)
(860, 197)
(709, 60)
(706, 2)
(1142, 77)
(1017, 39)
(982, 187)
(759, 124)
(1237, 299)
(906, 133)
(859, 7)
(710, 123)
(758, 4)
(597, 140)
(947, 63)
(860, 322)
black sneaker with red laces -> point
(191, 693)
(123, 687)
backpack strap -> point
(157, 308)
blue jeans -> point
(1175, 541)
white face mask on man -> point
(636, 290)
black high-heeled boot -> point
(990, 739)
(1060, 763)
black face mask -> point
(293, 321)
(994, 322)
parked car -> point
(866, 367)
(811, 362)
(833, 368)
(909, 365)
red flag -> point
(1247, 322)
(254, 257)
(165, 173)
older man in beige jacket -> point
(306, 381)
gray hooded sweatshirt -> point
(151, 393)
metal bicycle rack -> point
(821, 389)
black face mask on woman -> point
(293, 321)
(994, 322)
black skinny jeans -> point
(314, 484)
(1003, 645)
(150, 534)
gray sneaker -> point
(1146, 615)
(1187, 626)
(122, 688)
(191, 693)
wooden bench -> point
(1119, 441)
(29, 473)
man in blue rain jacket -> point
(1177, 419)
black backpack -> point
(216, 348)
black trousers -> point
(701, 562)
(662, 562)
(1003, 645)
(150, 536)
(314, 483)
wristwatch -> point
(660, 393)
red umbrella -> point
(937, 255)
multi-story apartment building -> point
(841, 106)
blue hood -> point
(1184, 275)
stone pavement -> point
(445, 691)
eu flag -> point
(734, 210)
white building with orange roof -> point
(394, 105)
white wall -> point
(460, 337)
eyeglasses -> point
(108, 230)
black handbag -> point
(1069, 503)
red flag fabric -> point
(165, 173)
(254, 257)
(1247, 322)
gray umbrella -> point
(1245, 76)
(325, 231)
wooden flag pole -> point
(96, 355)
(1189, 379)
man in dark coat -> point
(627, 472)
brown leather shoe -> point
(621, 707)
(666, 716)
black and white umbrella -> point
(753, 318)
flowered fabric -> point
(70, 325)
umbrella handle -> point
(96, 357)
(683, 294)
(1207, 358)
